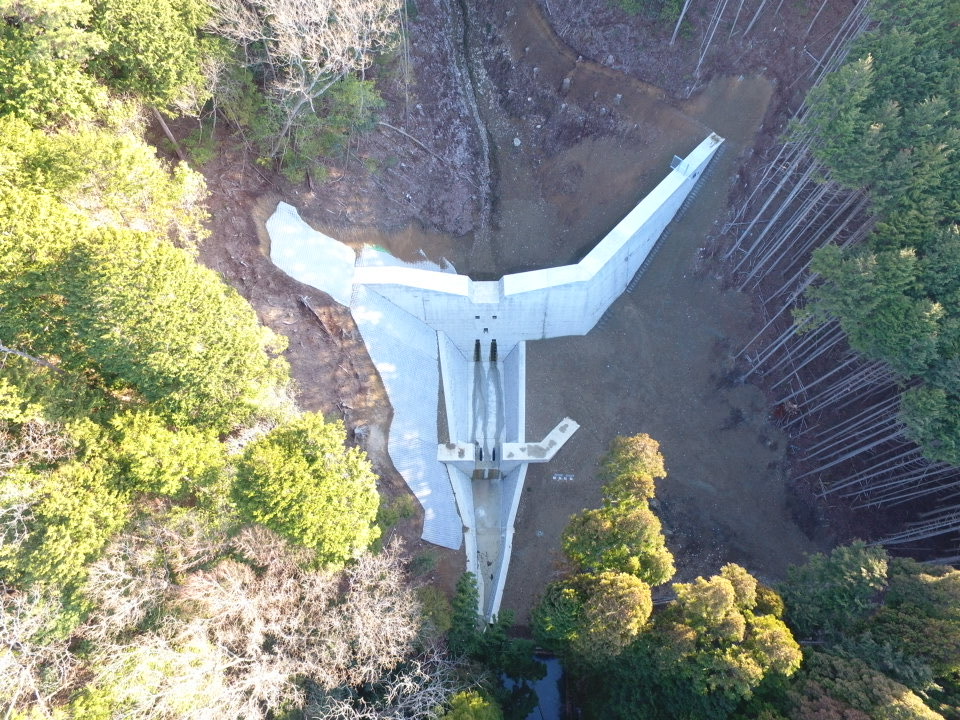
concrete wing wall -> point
(310, 256)
(566, 300)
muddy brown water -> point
(654, 365)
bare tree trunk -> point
(736, 17)
(889, 462)
(708, 36)
(854, 452)
(938, 522)
(166, 131)
(846, 391)
(929, 480)
(755, 16)
(805, 387)
(813, 22)
(683, 12)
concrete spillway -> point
(424, 325)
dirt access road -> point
(588, 150)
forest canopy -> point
(887, 121)
(149, 438)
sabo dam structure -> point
(427, 327)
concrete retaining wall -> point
(515, 386)
(412, 316)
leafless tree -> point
(33, 668)
(303, 47)
(240, 637)
(18, 498)
(128, 583)
(189, 624)
(414, 692)
(337, 629)
(34, 441)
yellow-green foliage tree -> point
(90, 283)
(618, 552)
(620, 538)
(700, 656)
(716, 637)
(615, 609)
(44, 46)
(56, 522)
(110, 177)
(844, 687)
(128, 376)
(154, 458)
(624, 535)
(472, 705)
(631, 468)
(140, 317)
(592, 618)
(154, 49)
(301, 481)
(60, 58)
(703, 655)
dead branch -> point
(31, 358)
(323, 325)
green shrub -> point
(830, 595)
(72, 514)
(436, 608)
(423, 563)
(302, 482)
(472, 705)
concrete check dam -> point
(429, 329)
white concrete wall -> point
(457, 384)
(463, 493)
(515, 386)
(566, 300)
(514, 391)
(512, 492)
(405, 353)
(399, 308)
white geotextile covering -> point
(309, 256)
(404, 351)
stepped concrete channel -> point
(427, 327)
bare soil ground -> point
(594, 136)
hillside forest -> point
(179, 539)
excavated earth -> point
(516, 134)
